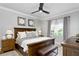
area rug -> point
(11, 53)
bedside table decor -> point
(39, 32)
(9, 34)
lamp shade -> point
(9, 31)
(9, 34)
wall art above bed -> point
(21, 21)
(30, 22)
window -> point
(57, 29)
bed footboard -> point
(34, 47)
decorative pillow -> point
(18, 37)
(31, 34)
(34, 34)
(28, 35)
(21, 35)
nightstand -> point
(7, 44)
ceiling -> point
(53, 8)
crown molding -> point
(61, 14)
(17, 12)
(46, 18)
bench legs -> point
(56, 51)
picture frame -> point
(31, 22)
(21, 21)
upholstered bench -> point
(48, 50)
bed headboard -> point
(16, 30)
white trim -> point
(14, 11)
(46, 18)
(61, 14)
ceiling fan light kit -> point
(40, 11)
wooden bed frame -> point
(34, 47)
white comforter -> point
(29, 41)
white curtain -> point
(49, 27)
(66, 27)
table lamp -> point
(39, 32)
(9, 34)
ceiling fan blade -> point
(35, 11)
(41, 6)
(45, 11)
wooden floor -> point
(59, 51)
(18, 52)
(11, 50)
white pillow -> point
(34, 33)
(31, 34)
(21, 35)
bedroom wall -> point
(74, 24)
(8, 20)
(73, 27)
(44, 27)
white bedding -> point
(24, 43)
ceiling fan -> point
(41, 9)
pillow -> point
(34, 34)
(21, 35)
(31, 34)
(28, 35)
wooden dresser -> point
(70, 47)
(7, 45)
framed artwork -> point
(30, 22)
(21, 21)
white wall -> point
(8, 20)
(73, 27)
(74, 24)
(44, 26)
